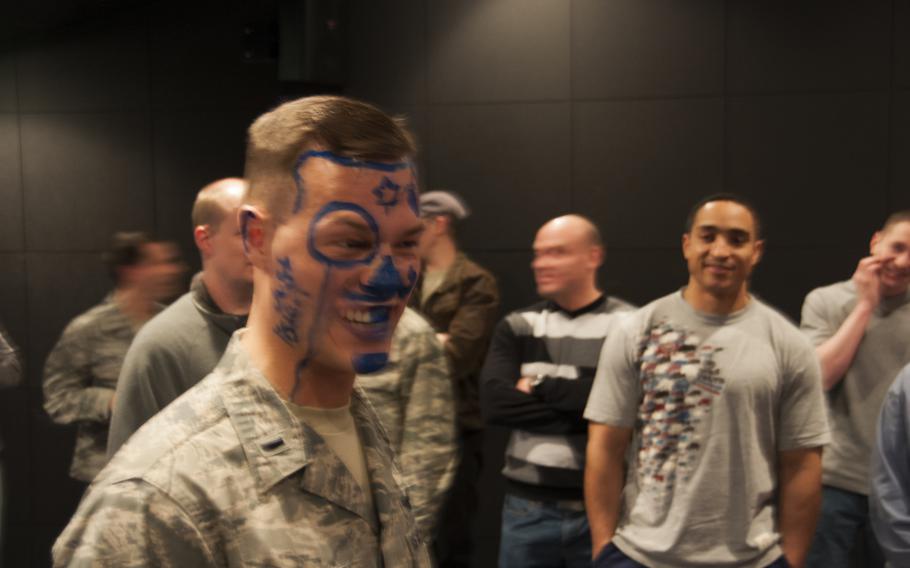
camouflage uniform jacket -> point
(227, 476)
(80, 376)
(414, 399)
(10, 368)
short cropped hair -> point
(732, 197)
(895, 218)
(343, 126)
(126, 250)
(209, 209)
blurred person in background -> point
(10, 376)
(81, 372)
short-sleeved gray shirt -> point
(712, 400)
(854, 403)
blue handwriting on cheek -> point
(287, 303)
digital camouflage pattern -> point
(80, 376)
(414, 399)
(227, 476)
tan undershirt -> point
(431, 281)
(336, 426)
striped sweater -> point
(545, 455)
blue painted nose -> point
(385, 284)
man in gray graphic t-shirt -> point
(721, 398)
(860, 328)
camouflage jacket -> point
(10, 367)
(466, 307)
(413, 397)
(80, 376)
(227, 476)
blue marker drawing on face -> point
(385, 284)
(286, 302)
(366, 363)
(311, 336)
(332, 207)
(387, 194)
(340, 160)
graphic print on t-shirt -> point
(679, 381)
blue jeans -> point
(612, 557)
(544, 534)
(844, 516)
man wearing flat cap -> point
(460, 300)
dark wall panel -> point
(635, 48)
(100, 70)
(193, 149)
(639, 165)
(11, 230)
(786, 274)
(388, 51)
(85, 176)
(513, 276)
(805, 159)
(639, 275)
(901, 36)
(510, 162)
(510, 50)
(8, 90)
(197, 56)
(776, 45)
(900, 150)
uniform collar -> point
(277, 445)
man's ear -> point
(254, 230)
(202, 237)
(598, 254)
(876, 238)
(759, 252)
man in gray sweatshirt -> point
(860, 328)
(181, 345)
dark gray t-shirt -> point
(712, 400)
(854, 403)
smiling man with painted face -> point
(722, 398)
(860, 328)
(276, 458)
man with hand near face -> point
(535, 381)
(860, 329)
(276, 458)
(182, 344)
(722, 398)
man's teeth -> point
(360, 316)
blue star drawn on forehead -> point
(342, 161)
(387, 194)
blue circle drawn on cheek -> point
(332, 207)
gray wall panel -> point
(776, 45)
(639, 165)
(510, 162)
(509, 50)
(634, 48)
(11, 230)
(85, 176)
